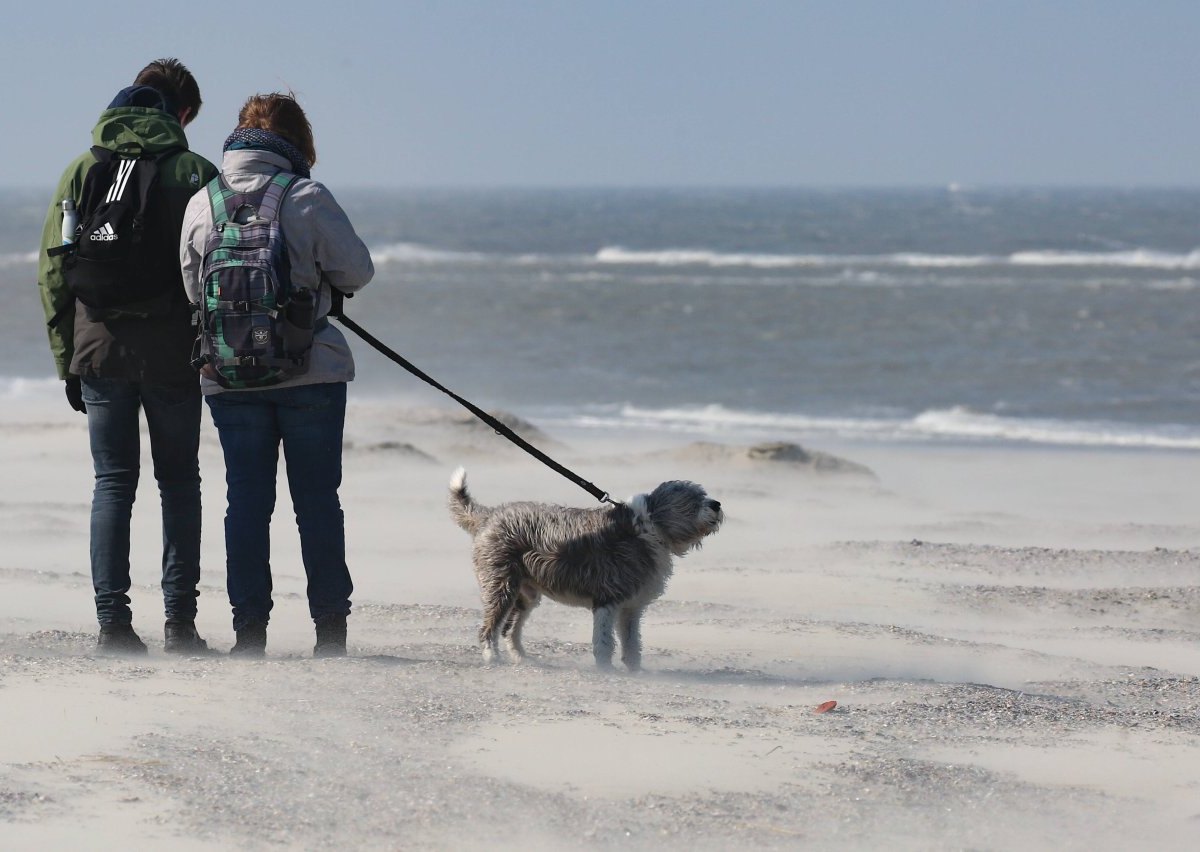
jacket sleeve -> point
(58, 304)
(342, 257)
(191, 243)
(196, 173)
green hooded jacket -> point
(155, 350)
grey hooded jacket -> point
(321, 243)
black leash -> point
(336, 312)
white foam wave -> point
(417, 254)
(1135, 259)
(957, 423)
(934, 261)
(19, 258)
(963, 423)
(702, 257)
(16, 388)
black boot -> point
(119, 639)
(331, 636)
(181, 638)
(251, 641)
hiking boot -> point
(251, 641)
(119, 639)
(181, 638)
(331, 636)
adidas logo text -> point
(104, 234)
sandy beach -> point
(1012, 637)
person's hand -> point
(75, 394)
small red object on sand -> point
(826, 707)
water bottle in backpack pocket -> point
(256, 329)
(70, 221)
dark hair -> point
(280, 114)
(172, 79)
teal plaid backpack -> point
(256, 330)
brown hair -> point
(280, 114)
(171, 78)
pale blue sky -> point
(670, 93)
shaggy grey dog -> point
(614, 560)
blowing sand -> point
(1012, 637)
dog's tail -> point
(466, 512)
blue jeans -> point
(308, 419)
(173, 420)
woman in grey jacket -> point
(305, 413)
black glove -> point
(75, 394)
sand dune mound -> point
(427, 433)
(772, 452)
(462, 421)
(398, 448)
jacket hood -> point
(248, 170)
(150, 129)
(254, 161)
(143, 96)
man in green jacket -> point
(115, 363)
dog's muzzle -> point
(717, 516)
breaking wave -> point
(953, 424)
(18, 258)
(417, 254)
(1135, 259)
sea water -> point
(1067, 317)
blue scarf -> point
(265, 140)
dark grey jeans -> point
(173, 421)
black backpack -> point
(124, 261)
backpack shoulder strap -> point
(281, 182)
(148, 166)
(222, 200)
(225, 201)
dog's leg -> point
(629, 628)
(516, 621)
(512, 619)
(602, 635)
(499, 598)
(512, 630)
